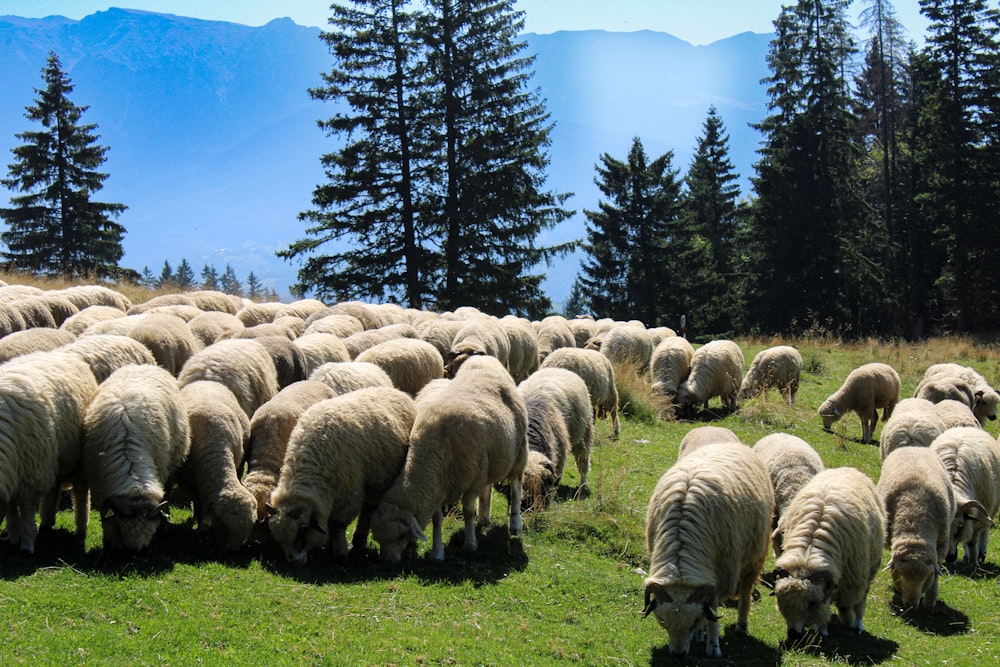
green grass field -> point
(568, 591)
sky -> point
(695, 21)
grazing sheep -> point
(168, 337)
(625, 345)
(410, 362)
(215, 301)
(956, 413)
(548, 446)
(343, 455)
(359, 342)
(716, 370)
(523, 358)
(159, 301)
(289, 362)
(10, 320)
(668, 368)
(778, 367)
(468, 434)
(583, 328)
(60, 307)
(83, 296)
(919, 508)
(107, 353)
(972, 458)
(832, 535)
(43, 339)
(270, 428)
(914, 423)
(243, 365)
(599, 376)
(478, 337)
(270, 329)
(554, 333)
(115, 327)
(440, 333)
(43, 396)
(252, 314)
(658, 334)
(700, 436)
(569, 393)
(215, 325)
(219, 432)
(135, 437)
(938, 389)
(301, 309)
(707, 527)
(363, 312)
(791, 462)
(34, 312)
(340, 325)
(865, 390)
(320, 348)
(347, 376)
(77, 324)
(985, 397)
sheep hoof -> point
(713, 650)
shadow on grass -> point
(738, 648)
(844, 646)
(941, 621)
(981, 571)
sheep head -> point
(804, 599)
(539, 482)
(914, 575)
(683, 611)
(131, 522)
(457, 356)
(296, 526)
(231, 518)
(395, 529)
(829, 412)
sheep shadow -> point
(981, 571)
(845, 646)
(939, 621)
(54, 548)
(734, 645)
(708, 415)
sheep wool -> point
(701, 436)
(669, 366)
(791, 462)
(548, 446)
(914, 423)
(716, 370)
(866, 389)
(779, 367)
(106, 353)
(409, 362)
(707, 528)
(243, 365)
(597, 373)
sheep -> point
(320, 348)
(350, 375)
(914, 423)
(80, 322)
(410, 362)
(27, 341)
(583, 329)
(10, 320)
(791, 462)
(522, 360)
(168, 337)
(919, 506)
(554, 333)
(289, 362)
(270, 428)
(716, 370)
(343, 455)
(340, 325)
(135, 437)
(215, 301)
(214, 325)
(43, 397)
(358, 343)
(301, 309)
(972, 458)
(955, 413)
(780, 367)
(938, 389)
(363, 312)
(105, 354)
(669, 365)
(599, 376)
(700, 436)
(60, 307)
(252, 314)
(985, 397)
(83, 296)
(116, 327)
(440, 333)
(219, 430)
(625, 346)
(658, 334)
(468, 434)
(569, 393)
(548, 446)
(34, 312)
(707, 527)
(478, 337)
(832, 535)
(269, 329)
(242, 365)
(865, 390)
(160, 300)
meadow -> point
(569, 590)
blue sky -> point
(697, 21)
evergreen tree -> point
(184, 276)
(492, 141)
(209, 278)
(628, 270)
(229, 283)
(55, 227)
(255, 289)
(815, 246)
(148, 279)
(706, 236)
(576, 303)
(166, 279)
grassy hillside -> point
(569, 591)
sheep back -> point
(779, 367)
(865, 390)
(597, 373)
(409, 362)
(914, 423)
(243, 365)
(716, 370)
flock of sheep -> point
(292, 421)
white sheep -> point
(136, 435)
(914, 423)
(214, 325)
(10, 320)
(865, 390)
(707, 528)
(548, 447)
(522, 360)
(343, 455)
(215, 301)
(289, 362)
(701, 436)
(972, 458)
(625, 345)
(599, 376)
(219, 431)
(669, 366)
(106, 353)
(986, 399)
(357, 343)
(43, 396)
(270, 428)
(779, 367)
(410, 362)
(83, 296)
(86, 317)
(583, 329)
(480, 336)
(252, 314)
(440, 333)
(956, 413)
(791, 462)
(554, 333)
(919, 507)
(832, 535)
(60, 307)
(363, 312)
(320, 348)
(243, 365)
(19, 343)
(340, 325)
(168, 337)
(716, 370)
(469, 434)
(570, 394)
(937, 389)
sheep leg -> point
(582, 466)
(48, 507)
(81, 507)
(712, 647)
(338, 538)
(616, 425)
(13, 524)
(515, 524)
(930, 597)
(27, 527)
(361, 529)
(984, 538)
(437, 548)
(485, 511)
(469, 515)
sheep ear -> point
(888, 566)
(417, 531)
(650, 602)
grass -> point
(568, 591)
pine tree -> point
(55, 227)
(209, 278)
(255, 289)
(576, 303)
(628, 270)
(184, 276)
(148, 279)
(229, 283)
(166, 279)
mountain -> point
(214, 144)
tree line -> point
(872, 209)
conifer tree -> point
(166, 279)
(184, 276)
(229, 283)
(209, 278)
(55, 227)
(255, 289)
